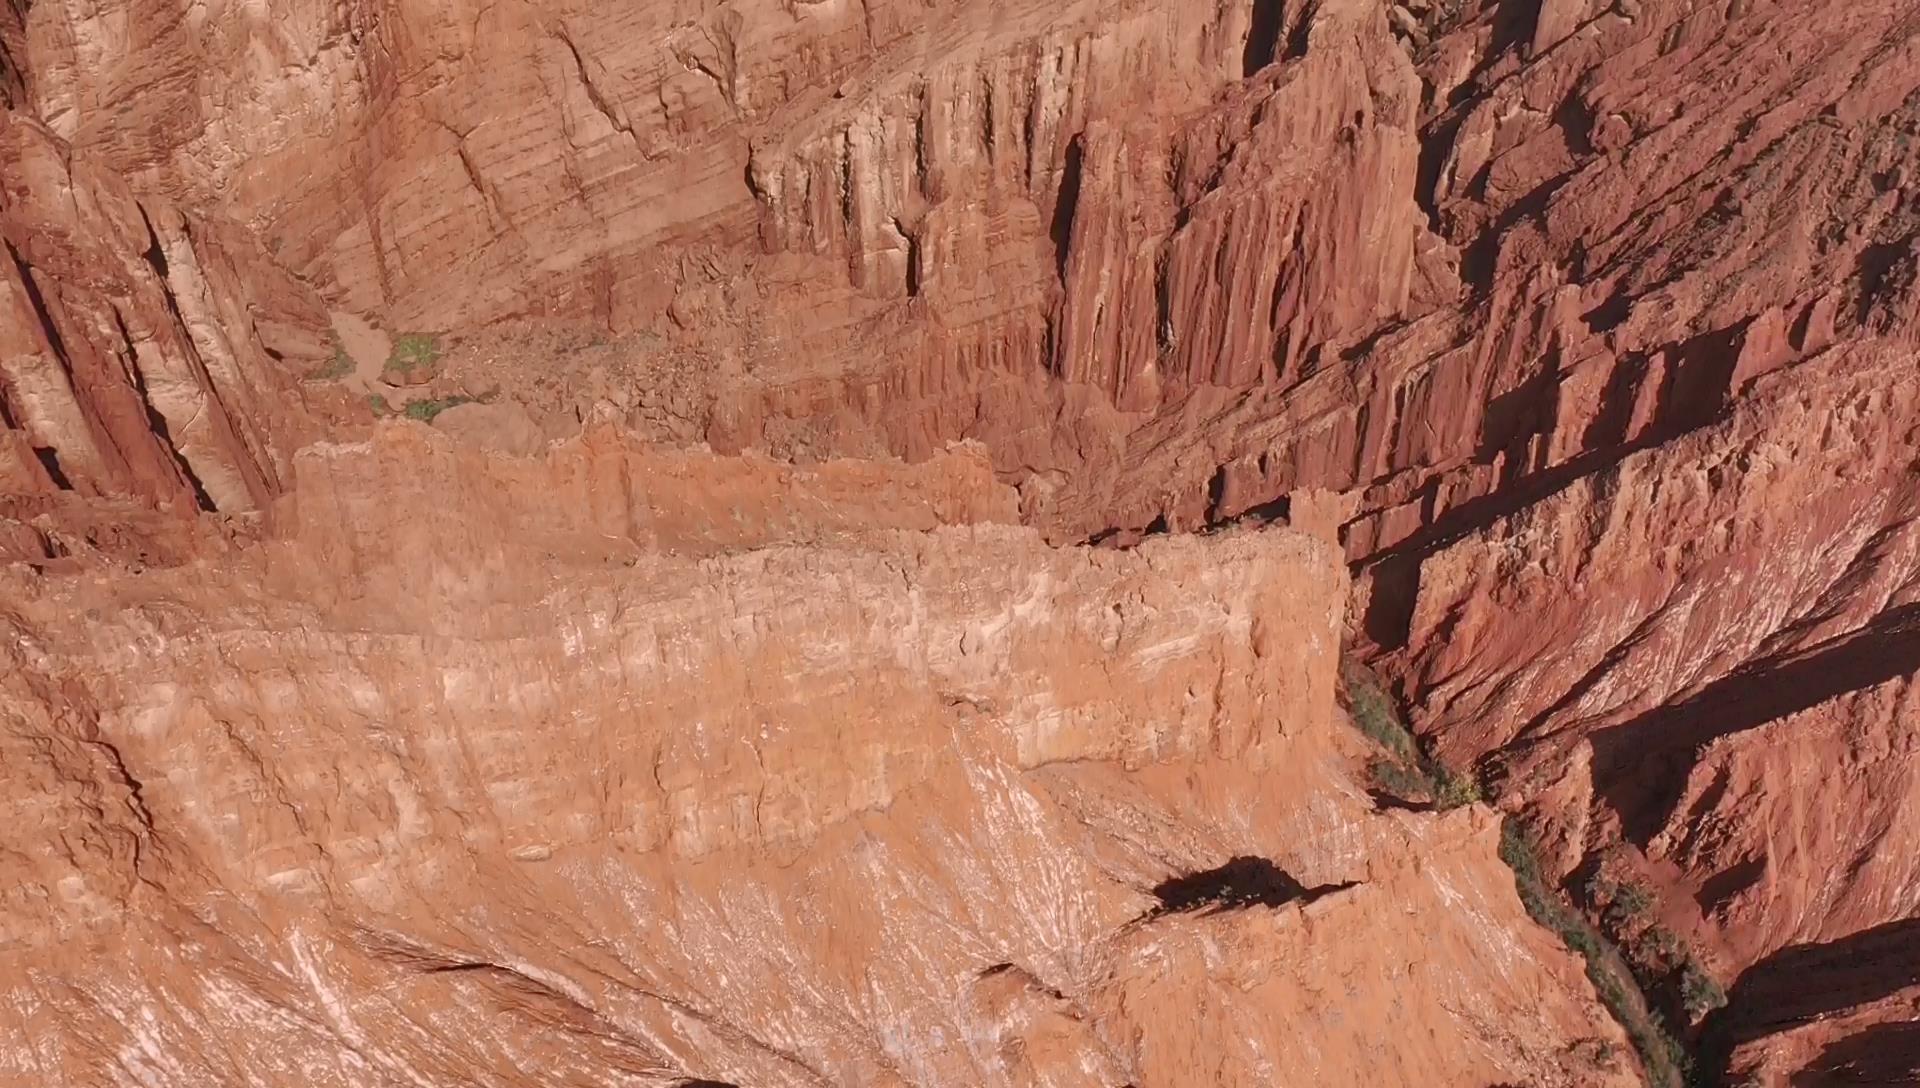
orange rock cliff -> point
(1110, 543)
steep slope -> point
(396, 797)
(933, 220)
(140, 345)
(1588, 323)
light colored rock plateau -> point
(752, 781)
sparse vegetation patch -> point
(425, 410)
(413, 351)
(337, 366)
(1662, 962)
(1699, 992)
(1403, 770)
(1667, 1063)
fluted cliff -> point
(1581, 329)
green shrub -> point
(412, 351)
(1667, 1063)
(425, 410)
(1451, 788)
(1699, 993)
(338, 366)
(1630, 901)
(1397, 778)
(1405, 770)
(379, 404)
(1657, 949)
(1518, 852)
(1373, 712)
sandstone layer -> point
(1587, 326)
(784, 795)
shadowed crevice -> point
(1729, 882)
(1807, 982)
(50, 463)
(1882, 1054)
(1263, 37)
(1641, 766)
(1067, 203)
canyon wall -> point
(144, 350)
(1587, 325)
(791, 797)
(940, 220)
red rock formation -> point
(1587, 323)
(798, 185)
(399, 797)
(133, 354)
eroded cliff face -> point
(134, 363)
(1586, 327)
(940, 220)
(826, 792)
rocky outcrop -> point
(642, 794)
(1083, 197)
(1708, 530)
(1729, 613)
(136, 356)
(1829, 1013)
(1584, 324)
(1176, 264)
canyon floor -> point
(1096, 543)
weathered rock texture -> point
(133, 358)
(394, 797)
(1589, 324)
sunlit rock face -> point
(1578, 333)
(396, 796)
